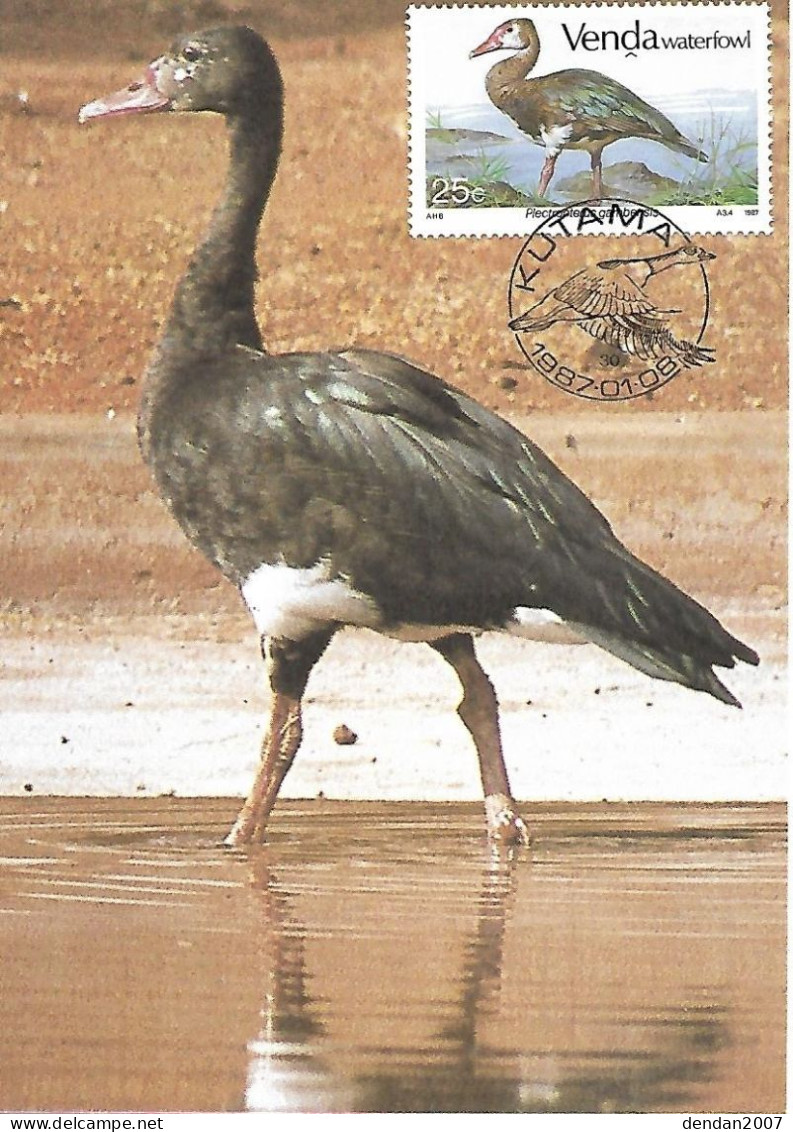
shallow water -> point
(376, 957)
(727, 129)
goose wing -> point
(602, 110)
(434, 508)
(595, 299)
(613, 308)
(605, 294)
(646, 339)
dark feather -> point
(424, 500)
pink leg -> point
(479, 712)
(289, 664)
(547, 172)
(597, 174)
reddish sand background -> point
(97, 223)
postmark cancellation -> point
(623, 319)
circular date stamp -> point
(611, 320)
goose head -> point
(512, 35)
(678, 257)
(227, 70)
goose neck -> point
(214, 304)
(508, 72)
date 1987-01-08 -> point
(604, 388)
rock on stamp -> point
(517, 111)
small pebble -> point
(344, 736)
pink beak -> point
(492, 43)
(142, 96)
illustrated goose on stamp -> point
(517, 111)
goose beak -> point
(142, 96)
(492, 43)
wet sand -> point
(376, 958)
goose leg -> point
(597, 173)
(289, 664)
(546, 173)
(479, 712)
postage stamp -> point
(518, 110)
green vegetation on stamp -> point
(484, 175)
(725, 180)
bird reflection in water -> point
(306, 1059)
(285, 1074)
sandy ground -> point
(130, 668)
(127, 666)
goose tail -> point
(678, 668)
(692, 150)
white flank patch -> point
(291, 602)
(532, 618)
(556, 138)
(407, 631)
(540, 625)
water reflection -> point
(486, 985)
(285, 1074)
(376, 958)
